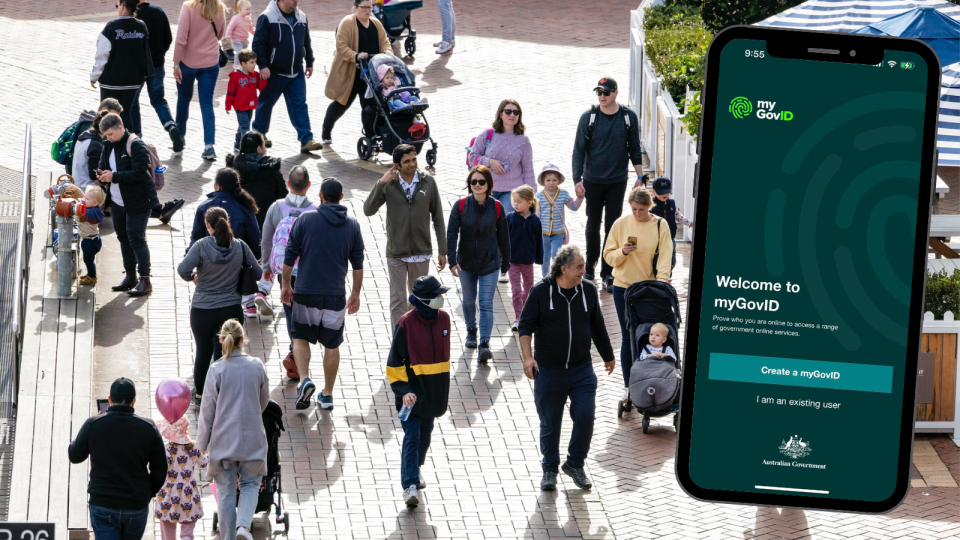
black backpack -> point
(593, 120)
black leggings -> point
(125, 97)
(601, 197)
(206, 324)
(335, 110)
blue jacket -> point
(242, 221)
(325, 240)
(526, 239)
(668, 211)
(279, 46)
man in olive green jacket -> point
(412, 200)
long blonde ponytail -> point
(232, 336)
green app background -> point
(828, 201)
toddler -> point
(390, 82)
(526, 246)
(239, 30)
(666, 208)
(89, 227)
(658, 336)
(551, 201)
(179, 499)
(242, 92)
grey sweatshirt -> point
(611, 147)
(230, 426)
(274, 215)
(218, 272)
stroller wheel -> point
(364, 148)
(676, 419)
(216, 519)
(646, 422)
(286, 522)
(620, 409)
(410, 45)
(431, 157)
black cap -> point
(662, 185)
(123, 390)
(607, 83)
(428, 287)
(332, 190)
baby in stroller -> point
(390, 83)
(659, 334)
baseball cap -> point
(123, 389)
(331, 189)
(428, 287)
(607, 83)
(662, 185)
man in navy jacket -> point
(282, 43)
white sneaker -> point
(410, 496)
(242, 532)
(503, 279)
(444, 47)
(626, 394)
(437, 44)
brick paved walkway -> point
(341, 467)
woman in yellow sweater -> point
(631, 250)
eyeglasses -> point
(514, 112)
(604, 92)
(478, 182)
(365, 8)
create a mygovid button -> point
(795, 372)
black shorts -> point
(319, 318)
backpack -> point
(654, 384)
(486, 142)
(463, 202)
(62, 149)
(156, 167)
(593, 120)
(282, 235)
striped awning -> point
(948, 132)
(850, 15)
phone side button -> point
(696, 179)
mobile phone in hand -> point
(632, 240)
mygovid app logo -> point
(741, 107)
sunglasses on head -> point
(604, 92)
(478, 182)
(514, 112)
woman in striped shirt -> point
(550, 206)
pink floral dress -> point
(179, 499)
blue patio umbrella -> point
(939, 31)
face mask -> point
(433, 303)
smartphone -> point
(632, 240)
(102, 406)
(804, 314)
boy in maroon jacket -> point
(418, 369)
(242, 92)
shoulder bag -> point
(223, 55)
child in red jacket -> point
(242, 92)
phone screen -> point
(808, 274)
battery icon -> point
(906, 65)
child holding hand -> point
(179, 499)
(242, 92)
(526, 246)
(89, 227)
(551, 201)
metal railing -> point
(22, 268)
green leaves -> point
(943, 293)
(691, 115)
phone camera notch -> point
(853, 53)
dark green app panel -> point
(807, 274)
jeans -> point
(243, 121)
(416, 442)
(335, 110)
(487, 283)
(551, 245)
(506, 200)
(402, 277)
(601, 197)
(294, 92)
(132, 234)
(90, 247)
(626, 355)
(113, 524)
(126, 99)
(157, 101)
(551, 388)
(205, 324)
(521, 281)
(206, 79)
(673, 262)
(448, 19)
(233, 513)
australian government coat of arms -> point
(795, 447)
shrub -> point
(719, 14)
(671, 16)
(691, 116)
(677, 54)
(943, 293)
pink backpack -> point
(282, 235)
(156, 166)
(489, 138)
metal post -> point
(64, 256)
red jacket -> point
(242, 90)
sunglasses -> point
(514, 112)
(478, 182)
(604, 92)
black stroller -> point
(271, 492)
(648, 303)
(395, 18)
(392, 127)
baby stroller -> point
(393, 127)
(271, 492)
(654, 383)
(395, 17)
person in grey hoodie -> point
(230, 430)
(213, 264)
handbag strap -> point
(215, 33)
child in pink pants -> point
(179, 499)
(526, 246)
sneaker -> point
(265, 308)
(243, 533)
(437, 44)
(608, 284)
(311, 146)
(422, 484)
(445, 47)
(471, 342)
(209, 154)
(291, 367)
(410, 496)
(325, 402)
(87, 280)
(579, 477)
(515, 328)
(267, 143)
(250, 312)
(549, 481)
(484, 352)
(170, 210)
(626, 394)
(503, 279)
(176, 139)
(304, 393)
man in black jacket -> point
(160, 38)
(128, 464)
(126, 169)
(564, 313)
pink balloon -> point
(173, 398)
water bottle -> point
(161, 169)
(404, 412)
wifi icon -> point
(892, 63)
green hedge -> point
(943, 293)
(675, 41)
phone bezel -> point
(795, 41)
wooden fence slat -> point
(22, 458)
(59, 463)
(948, 382)
(66, 341)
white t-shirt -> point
(667, 351)
(114, 187)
